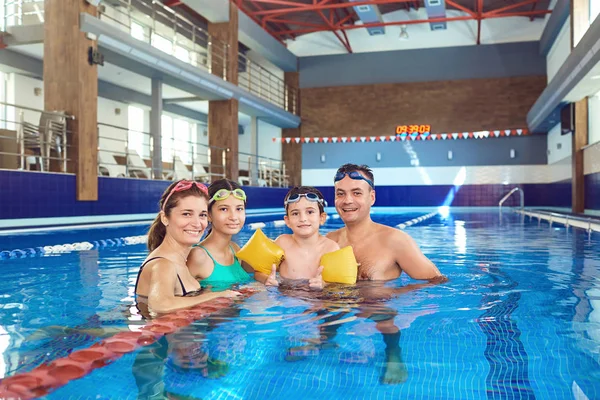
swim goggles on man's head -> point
(222, 194)
(294, 198)
(185, 185)
(353, 175)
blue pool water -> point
(519, 318)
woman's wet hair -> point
(303, 190)
(158, 231)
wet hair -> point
(364, 169)
(157, 231)
(222, 184)
(303, 190)
(214, 188)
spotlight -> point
(403, 33)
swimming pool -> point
(519, 318)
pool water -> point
(519, 318)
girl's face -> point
(228, 216)
(187, 220)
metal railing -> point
(33, 139)
(588, 223)
(263, 171)
(265, 84)
(22, 12)
(160, 26)
(168, 31)
(119, 157)
(522, 200)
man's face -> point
(353, 199)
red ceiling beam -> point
(258, 22)
(264, 24)
(321, 6)
(459, 7)
(332, 28)
(511, 7)
(424, 21)
(172, 3)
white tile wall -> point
(591, 159)
(476, 175)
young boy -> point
(305, 213)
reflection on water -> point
(518, 318)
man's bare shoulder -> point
(328, 244)
(336, 235)
(393, 235)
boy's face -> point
(304, 218)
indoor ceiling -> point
(288, 19)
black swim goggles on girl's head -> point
(294, 198)
(353, 175)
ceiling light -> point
(595, 77)
(403, 33)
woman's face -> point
(188, 220)
(228, 216)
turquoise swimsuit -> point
(225, 275)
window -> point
(135, 135)
(162, 43)
(137, 31)
(181, 138)
(182, 53)
(594, 10)
(166, 128)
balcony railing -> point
(169, 31)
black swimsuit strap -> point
(140, 271)
(185, 292)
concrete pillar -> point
(223, 114)
(291, 153)
(71, 85)
(156, 128)
(580, 13)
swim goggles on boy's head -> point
(294, 198)
(222, 194)
(185, 185)
(353, 175)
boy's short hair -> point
(368, 172)
(304, 190)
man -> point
(382, 252)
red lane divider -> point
(45, 378)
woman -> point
(214, 260)
(164, 282)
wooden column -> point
(291, 153)
(223, 114)
(579, 25)
(71, 85)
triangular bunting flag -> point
(444, 136)
(344, 139)
(353, 139)
(288, 139)
(325, 139)
(363, 139)
(382, 138)
(519, 132)
(485, 133)
(372, 138)
(297, 139)
(306, 140)
(402, 137)
(496, 133)
(455, 135)
(433, 136)
(471, 135)
(507, 132)
(334, 139)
